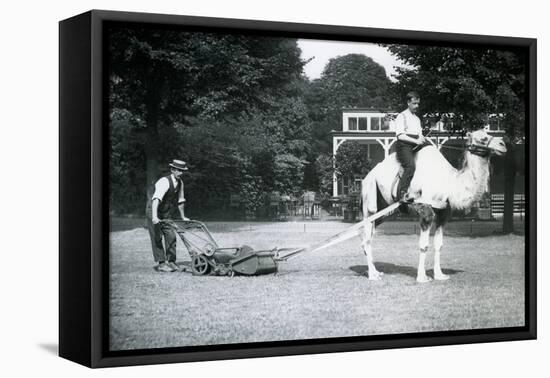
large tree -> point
(248, 155)
(352, 80)
(352, 160)
(163, 82)
(466, 85)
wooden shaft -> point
(343, 235)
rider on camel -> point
(409, 140)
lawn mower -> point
(208, 258)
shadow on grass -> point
(389, 268)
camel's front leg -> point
(368, 234)
(423, 244)
(438, 243)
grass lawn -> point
(318, 295)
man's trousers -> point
(405, 155)
(157, 232)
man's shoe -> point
(174, 266)
(164, 267)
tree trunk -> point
(509, 184)
(152, 143)
(151, 158)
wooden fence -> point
(497, 204)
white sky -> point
(322, 51)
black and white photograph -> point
(268, 188)
(274, 189)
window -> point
(449, 125)
(363, 123)
(375, 123)
(385, 124)
(493, 123)
(345, 186)
(352, 124)
(433, 124)
(357, 180)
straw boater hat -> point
(178, 164)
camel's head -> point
(481, 143)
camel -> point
(437, 188)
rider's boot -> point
(406, 197)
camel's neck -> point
(472, 180)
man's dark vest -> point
(170, 200)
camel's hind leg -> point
(368, 234)
(427, 216)
(441, 216)
(370, 206)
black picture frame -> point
(83, 166)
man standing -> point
(167, 197)
(409, 139)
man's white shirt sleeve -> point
(400, 124)
(181, 197)
(161, 187)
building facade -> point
(376, 129)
